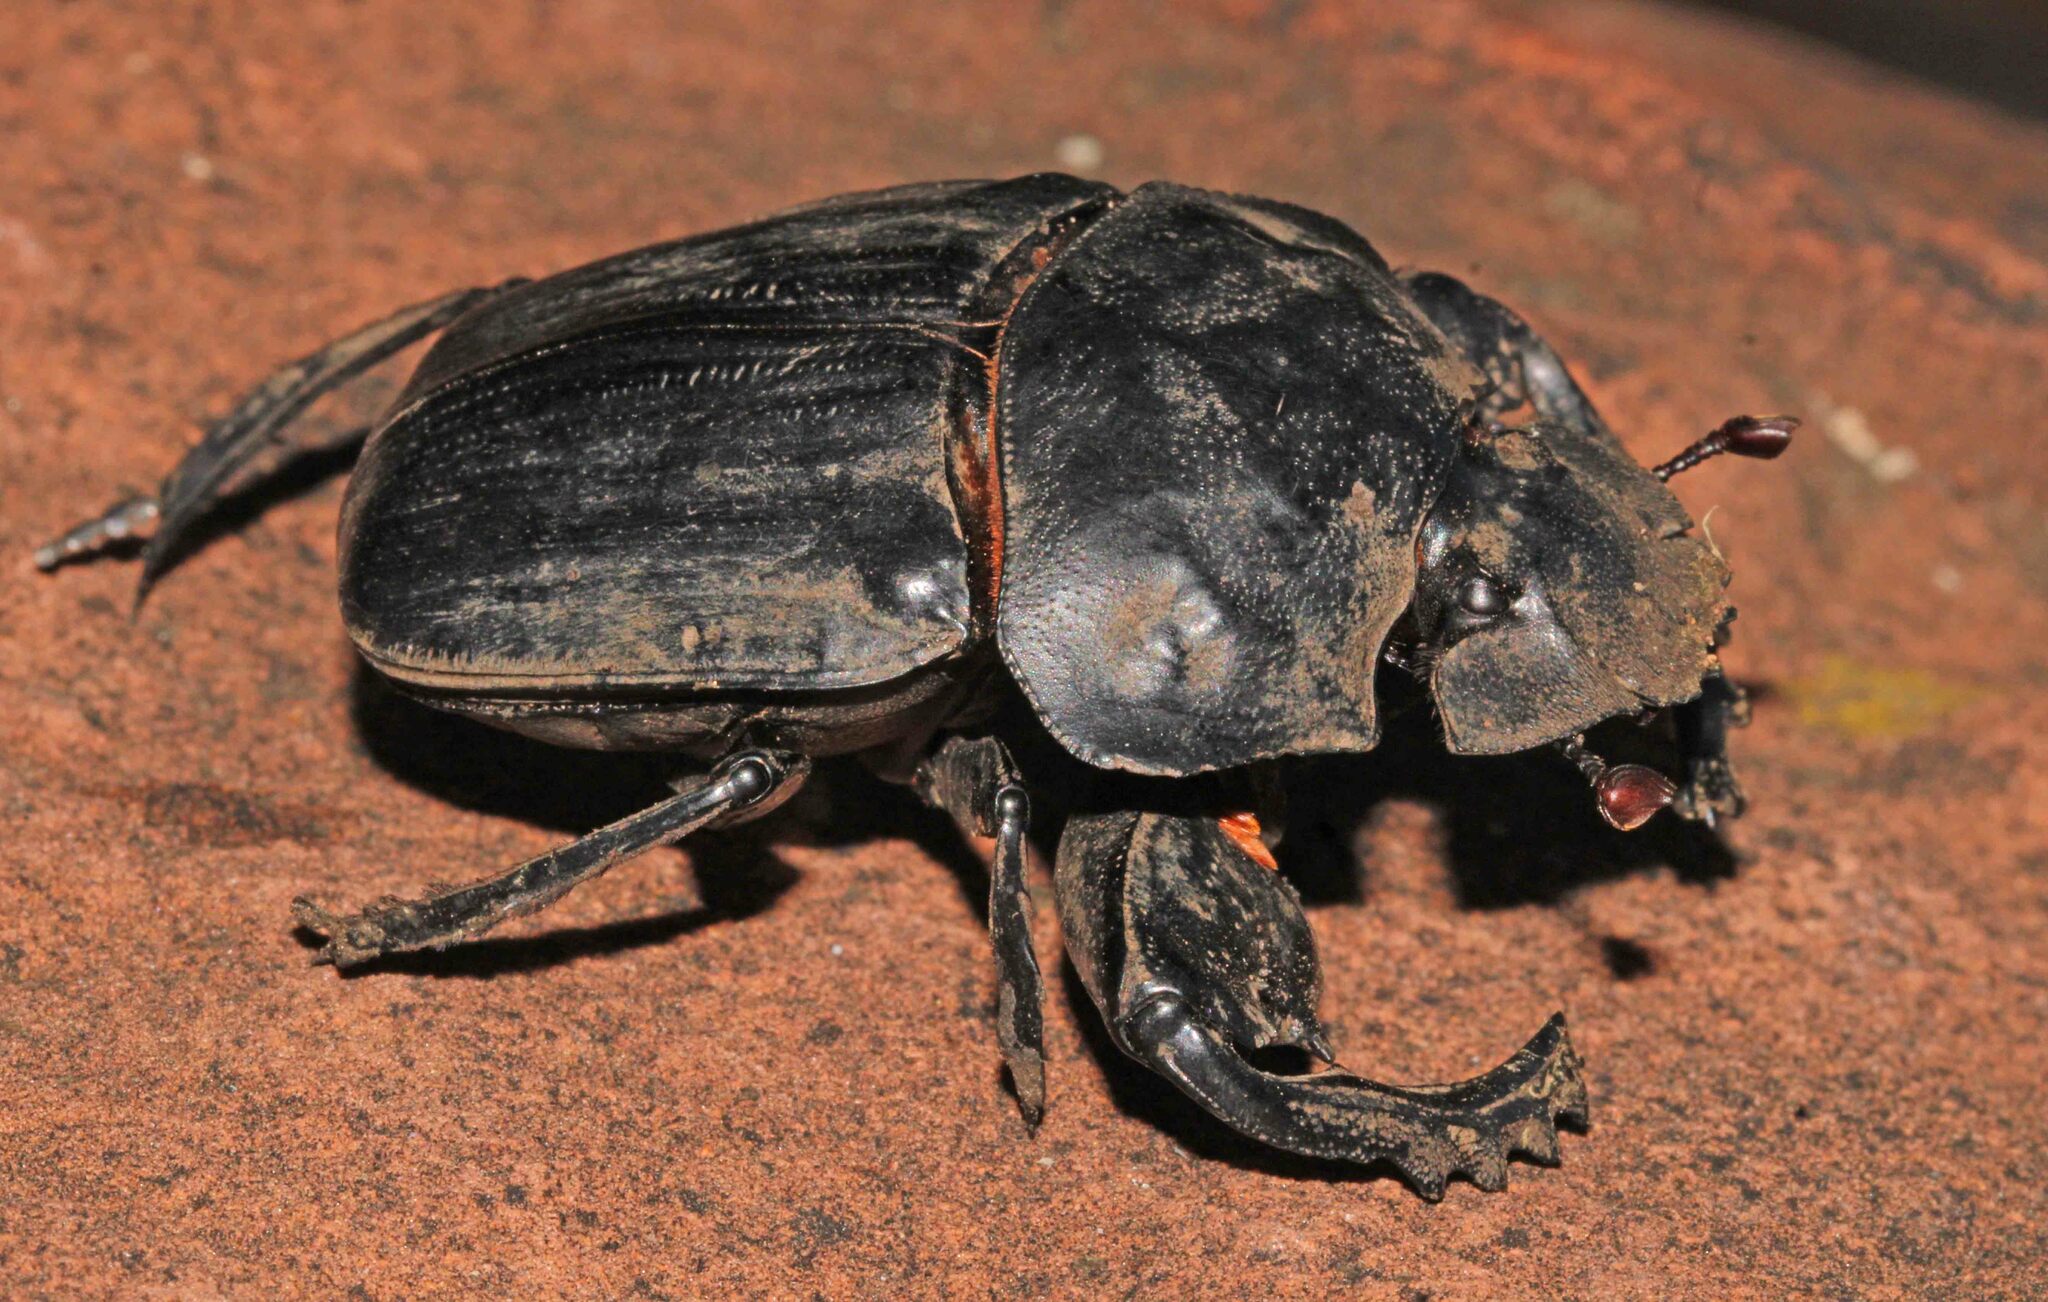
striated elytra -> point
(1168, 474)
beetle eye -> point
(1480, 595)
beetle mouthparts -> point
(1628, 795)
(1761, 437)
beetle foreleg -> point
(1428, 1132)
(1195, 954)
(393, 926)
(1710, 791)
(263, 422)
(975, 781)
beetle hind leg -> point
(262, 424)
(743, 784)
(1195, 953)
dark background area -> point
(1996, 50)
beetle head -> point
(1558, 585)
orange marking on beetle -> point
(992, 469)
(989, 473)
(1243, 828)
(974, 444)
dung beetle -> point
(1170, 472)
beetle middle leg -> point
(742, 784)
(1196, 953)
(265, 421)
(975, 780)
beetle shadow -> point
(487, 770)
(296, 476)
(1515, 829)
(844, 804)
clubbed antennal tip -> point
(1628, 795)
(1761, 437)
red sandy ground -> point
(765, 1066)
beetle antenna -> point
(1762, 437)
(1627, 794)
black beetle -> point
(1179, 468)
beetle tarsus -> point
(263, 423)
(117, 523)
(447, 916)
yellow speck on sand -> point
(1875, 703)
